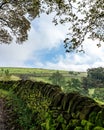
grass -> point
(91, 92)
(100, 102)
(4, 93)
(18, 114)
(28, 70)
(43, 79)
(39, 71)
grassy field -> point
(29, 70)
(39, 74)
(40, 71)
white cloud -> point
(48, 35)
(93, 57)
(13, 55)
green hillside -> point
(38, 74)
(37, 70)
(41, 72)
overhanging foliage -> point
(85, 18)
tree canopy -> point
(85, 19)
(57, 78)
(94, 79)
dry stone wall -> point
(81, 113)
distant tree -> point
(96, 73)
(98, 94)
(57, 78)
(2, 70)
(7, 75)
(84, 17)
(7, 72)
(71, 72)
(73, 85)
(95, 78)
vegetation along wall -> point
(49, 108)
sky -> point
(45, 49)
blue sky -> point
(44, 49)
(45, 55)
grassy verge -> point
(19, 115)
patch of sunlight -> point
(91, 91)
(13, 77)
(4, 93)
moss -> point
(47, 90)
(100, 119)
(98, 128)
(72, 101)
(87, 109)
(78, 128)
(92, 117)
(83, 113)
(73, 124)
(87, 125)
(83, 122)
(64, 102)
(57, 102)
(75, 103)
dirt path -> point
(2, 115)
